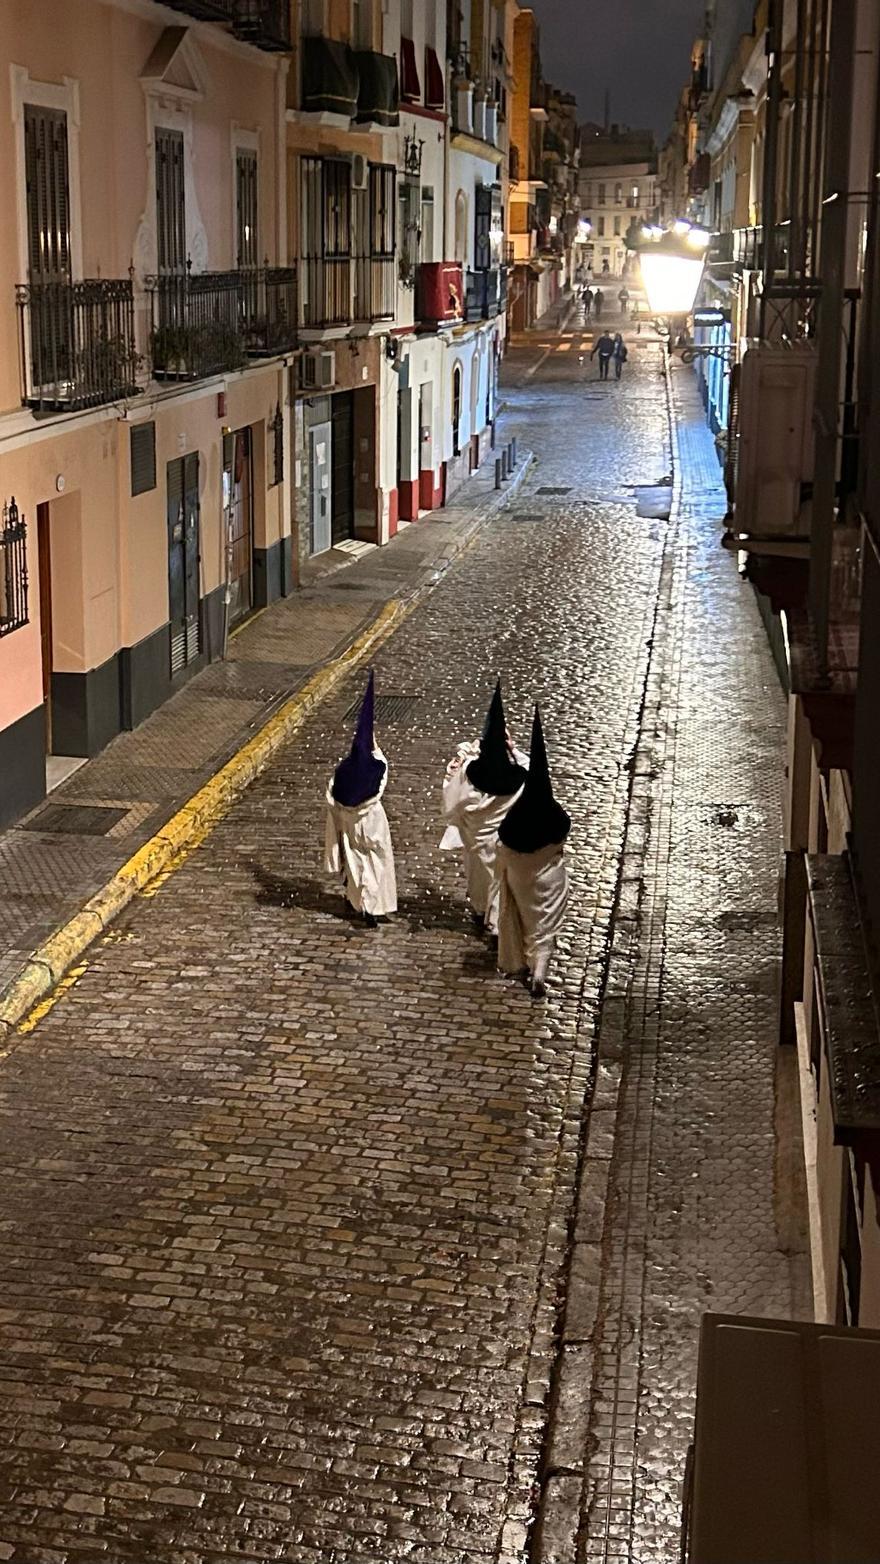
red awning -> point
(435, 87)
(410, 86)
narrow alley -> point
(325, 1244)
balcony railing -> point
(77, 342)
(264, 23)
(270, 319)
(485, 293)
(375, 287)
(326, 290)
(748, 248)
(205, 10)
(197, 325)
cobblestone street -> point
(324, 1244)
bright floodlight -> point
(681, 227)
(671, 281)
(698, 239)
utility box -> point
(774, 439)
(783, 1468)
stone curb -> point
(45, 968)
(560, 1505)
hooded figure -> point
(481, 784)
(358, 841)
(532, 874)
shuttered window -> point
(382, 181)
(170, 204)
(48, 194)
(246, 207)
(142, 446)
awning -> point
(378, 99)
(330, 78)
(410, 86)
(435, 86)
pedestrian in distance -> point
(358, 839)
(604, 346)
(532, 873)
(587, 301)
(623, 299)
(482, 782)
(620, 355)
(606, 268)
(598, 301)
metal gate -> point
(183, 560)
(343, 458)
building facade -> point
(618, 192)
(266, 323)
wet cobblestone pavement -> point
(287, 1206)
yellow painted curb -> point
(49, 963)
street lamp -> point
(672, 266)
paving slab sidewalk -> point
(61, 856)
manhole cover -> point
(389, 708)
(77, 819)
(554, 491)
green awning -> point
(330, 78)
(379, 95)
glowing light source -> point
(698, 238)
(670, 278)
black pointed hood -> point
(535, 820)
(494, 771)
(359, 776)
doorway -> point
(182, 480)
(239, 507)
(320, 496)
(342, 458)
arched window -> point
(461, 227)
(456, 409)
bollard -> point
(492, 435)
(509, 460)
(513, 451)
(498, 472)
(505, 462)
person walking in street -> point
(623, 299)
(620, 355)
(587, 301)
(532, 873)
(604, 346)
(358, 839)
(482, 782)
(598, 301)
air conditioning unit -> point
(317, 370)
(360, 170)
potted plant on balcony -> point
(170, 351)
(107, 368)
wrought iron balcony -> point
(485, 293)
(264, 23)
(375, 287)
(269, 310)
(326, 290)
(198, 329)
(77, 342)
(205, 10)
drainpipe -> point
(796, 246)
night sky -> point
(638, 49)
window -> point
(426, 247)
(456, 409)
(142, 451)
(617, 227)
(588, 196)
(461, 235)
(375, 279)
(409, 213)
(170, 204)
(276, 430)
(600, 199)
(247, 251)
(326, 241)
(618, 194)
(634, 196)
(600, 227)
(13, 569)
(48, 194)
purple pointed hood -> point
(359, 777)
(535, 820)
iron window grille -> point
(13, 569)
(377, 281)
(276, 426)
(326, 241)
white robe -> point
(472, 820)
(534, 896)
(357, 847)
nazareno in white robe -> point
(472, 820)
(357, 847)
(533, 899)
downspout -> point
(796, 245)
(771, 153)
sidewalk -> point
(74, 845)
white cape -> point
(472, 820)
(357, 847)
(534, 896)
